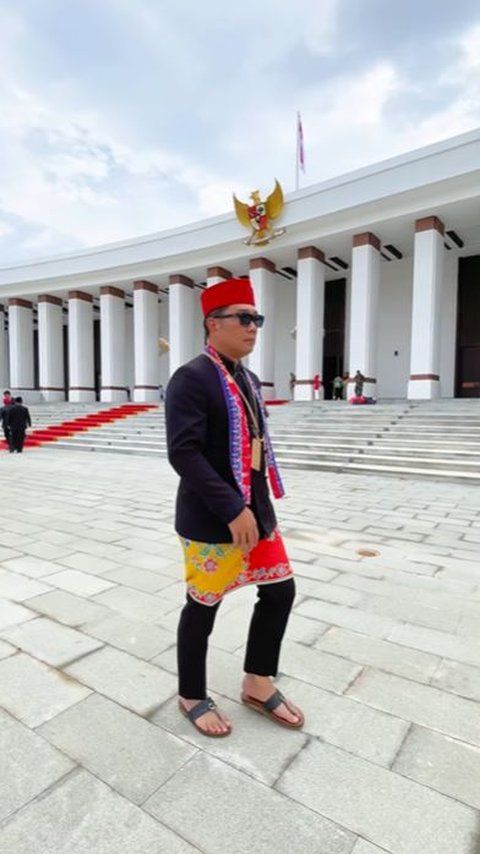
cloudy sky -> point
(125, 117)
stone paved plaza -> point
(382, 652)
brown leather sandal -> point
(268, 707)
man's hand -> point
(244, 531)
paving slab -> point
(6, 649)
(83, 816)
(17, 588)
(459, 678)
(419, 704)
(67, 608)
(317, 668)
(139, 579)
(254, 817)
(133, 683)
(12, 614)
(379, 654)
(128, 753)
(144, 640)
(346, 723)
(92, 564)
(50, 642)
(29, 765)
(350, 618)
(439, 643)
(81, 583)
(378, 804)
(33, 567)
(135, 604)
(33, 692)
(364, 847)
(443, 763)
(330, 592)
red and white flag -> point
(300, 150)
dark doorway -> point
(468, 328)
(97, 357)
(36, 367)
(334, 340)
(66, 374)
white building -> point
(378, 270)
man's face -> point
(228, 335)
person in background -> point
(17, 420)
(6, 403)
(291, 384)
(337, 387)
(359, 380)
(316, 386)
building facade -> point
(377, 271)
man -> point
(17, 420)
(219, 445)
(337, 387)
(359, 380)
(6, 403)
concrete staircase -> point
(438, 439)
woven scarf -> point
(239, 434)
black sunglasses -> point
(245, 318)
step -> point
(389, 460)
(454, 476)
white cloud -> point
(5, 229)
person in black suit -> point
(7, 402)
(17, 420)
(219, 445)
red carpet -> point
(82, 423)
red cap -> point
(229, 292)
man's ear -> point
(209, 323)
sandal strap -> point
(274, 701)
(207, 705)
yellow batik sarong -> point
(213, 569)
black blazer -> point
(17, 418)
(208, 497)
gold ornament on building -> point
(163, 346)
(257, 216)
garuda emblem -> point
(257, 217)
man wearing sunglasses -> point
(218, 443)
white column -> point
(112, 344)
(182, 310)
(262, 360)
(365, 284)
(310, 321)
(20, 334)
(80, 347)
(4, 372)
(424, 383)
(146, 335)
(215, 275)
(50, 348)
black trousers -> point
(267, 627)
(17, 438)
